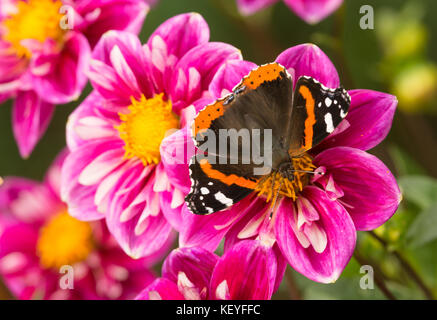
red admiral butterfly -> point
(264, 101)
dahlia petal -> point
(181, 33)
(18, 237)
(171, 210)
(207, 231)
(309, 60)
(161, 289)
(195, 266)
(246, 272)
(371, 193)
(52, 179)
(313, 11)
(81, 130)
(66, 80)
(80, 198)
(153, 238)
(206, 59)
(176, 151)
(229, 75)
(126, 15)
(101, 166)
(26, 200)
(142, 235)
(249, 225)
(30, 118)
(340, 233)
(128, 61)
(370, 117)
(248, 7)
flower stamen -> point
(276, 184)
(64, 240)
(144, 128)
(35, 20)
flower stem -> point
(293, 289)
(5, 294)
(406, 266)
(378, 276)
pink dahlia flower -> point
(38, 239)
(44, 53)
(312, 11)
(249, 271)
(141, 94)
(316, 232)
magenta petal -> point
(191, 269)
(207, 231)
(246, 272)
(66, 79)
(80, 198)
(176, 151)
(19, 237)
(30, 117)
(309, 60)
(340, 232)
(181, 33)
(371, 193)
(368, 121)
(52, 178)
(161, 289)
(119, 68)
(144, 230)
(313, 11)
(202, 61)
(228, 76)
(248, 7)
(87, 122)
(126, 15)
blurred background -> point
(398, 56)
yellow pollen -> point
(143, 129)
(64, 240)
(36, 20)
(288, 188)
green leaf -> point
(424, 228)
(404, 164)
(421, 190)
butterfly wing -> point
(261, 101)
(316, 112)
(212, 190)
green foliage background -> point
(404, 251)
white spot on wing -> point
(328, 102)
(220, 197)
(204, 190)
(329, 123)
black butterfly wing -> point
(260, 103)
(209, 195)
(316, 112)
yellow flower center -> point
(143, 129)
(34, 19)
(275, 184)
(64, 240)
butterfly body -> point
(282, 120)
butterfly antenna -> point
(307, 171)
(275, 199)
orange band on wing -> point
(229, 180)
(267, 72)
(311, 118)
(203, 120)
